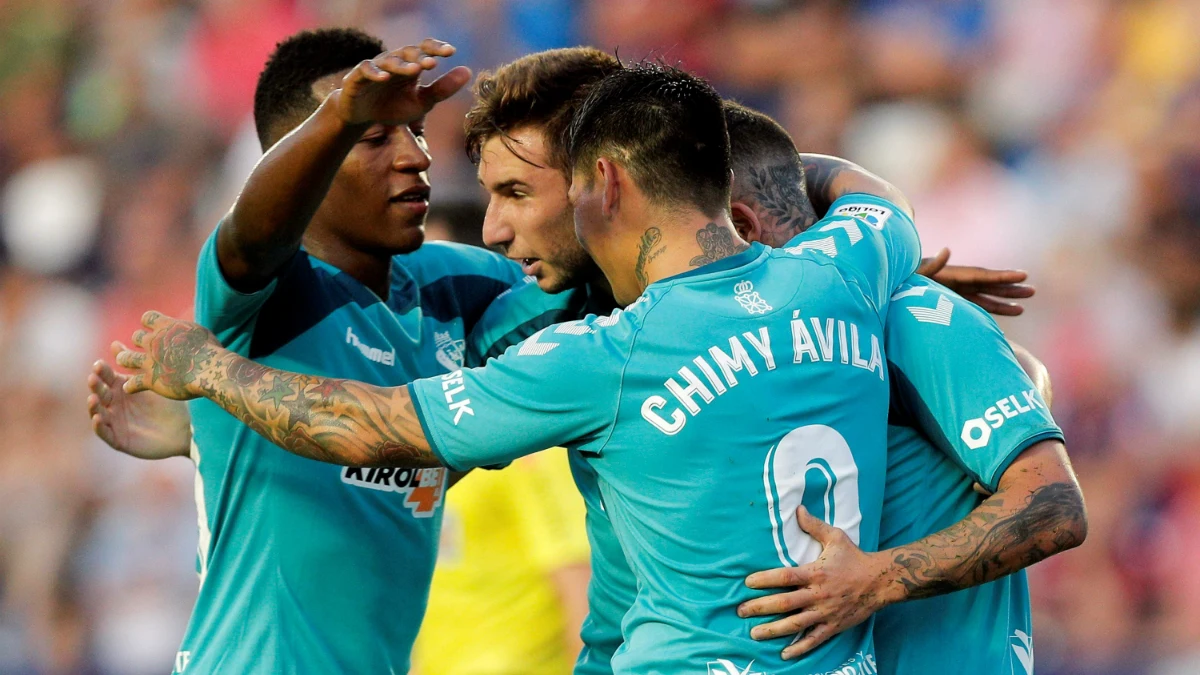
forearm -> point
(282, 194)
(326, 419)
(828, 178)
(1037, 511)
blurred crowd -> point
(1057, 136)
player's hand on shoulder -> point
(993, 290)
(387, 88)
(143, 425)
(839, 590)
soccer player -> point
(963, 411)
(306, 567)
(511, 132)
(666, 397)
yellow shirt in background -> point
(493, 608)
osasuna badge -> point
(449, 351)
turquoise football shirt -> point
(683, 405)
(306, 567)
(962, 410)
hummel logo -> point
(372, 353)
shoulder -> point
(921, 304)
(439, 259)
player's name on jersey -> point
(812, 340)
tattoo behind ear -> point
(649, 248)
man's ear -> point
(611, 183)
(746, 222)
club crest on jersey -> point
(423, 489)
(449, 351)
(749, 299)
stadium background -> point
(1058, 136)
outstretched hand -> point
(145, 425)
(171, 358)
(387, 88)
(993, 290)
(838, 590)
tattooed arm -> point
(828, 178)
(1036, 512)
(327, 419)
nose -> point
(412, 155)
(497, 233)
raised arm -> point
(263, 230)
(829, 178)
(326, 419)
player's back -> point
(752, 385)
(309, 567)
(941, 440)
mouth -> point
(530, 266)
(416, 196)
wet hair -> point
(665, 126)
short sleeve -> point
(955, 376)
(871, 238)
(220, 307)
(559, 387)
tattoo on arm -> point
(998, 538)
(331, 420)
(820, 172)
(780, 193)
(649, 248)
(716, 243)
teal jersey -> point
(307, 567)
(962, 410)
(512, 318)
(697, 475)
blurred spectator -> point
(1062, 136)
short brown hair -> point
(542, 89)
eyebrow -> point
(503, 185)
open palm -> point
(143, 425)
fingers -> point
(104, 430)
(1007, 290)
(779, 603)
(782, 577)
(409, 61)
(445, 86)
(128, 358)
(815, 527)
(135, 384)
(152, 319)
(961, 274)
(815, 638)
(997, 307)
(788, 625)
(101, 391)
(931, 266)
(139, 338)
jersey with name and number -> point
(307, 567)
(684, 405)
